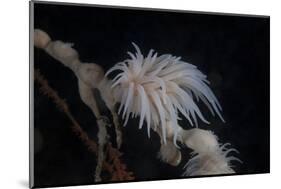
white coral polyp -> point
(216, 161)
(156, 88)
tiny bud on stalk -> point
(41, 39)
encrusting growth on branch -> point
(89, 78)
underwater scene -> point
(129, 94)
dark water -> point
(232, 50)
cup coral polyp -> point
(157, 88)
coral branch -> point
(120, 172)
(102, 135)
(90, 76)
(115, 167)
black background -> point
(232, 50)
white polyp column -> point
(169, 153)
(199, 140)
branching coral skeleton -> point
(156, 89)
(113, 165)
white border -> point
(14, 93)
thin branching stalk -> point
(116, 168)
